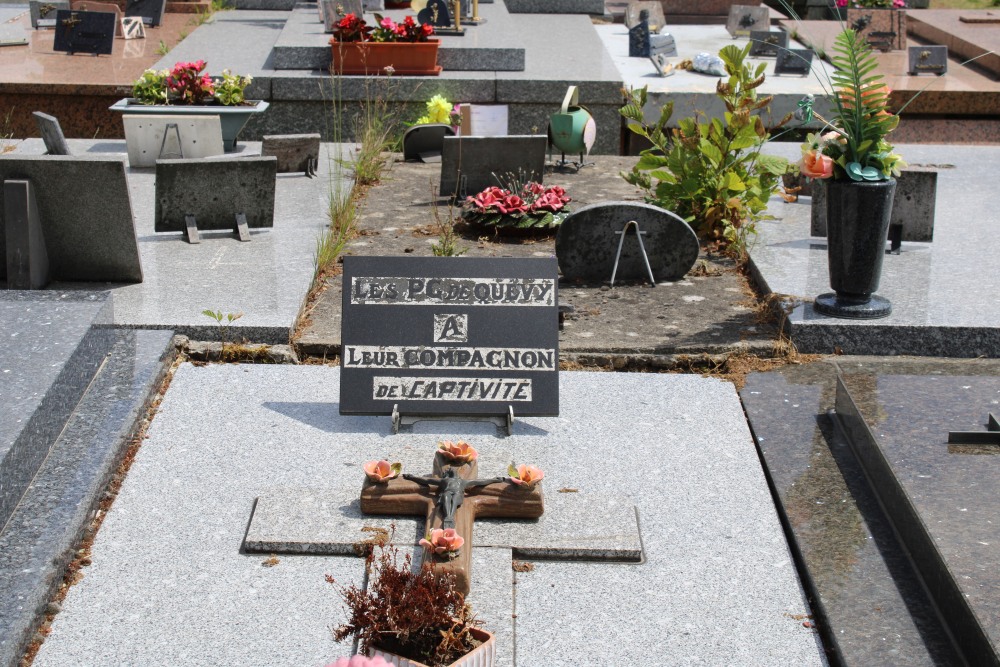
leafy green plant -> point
(151, 87)
(711, 173)
(162, 49)
(375, 129)
(447, 243)
(225, 321)
(229, 89)
(343, 216)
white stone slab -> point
(169, 585)
(199, 136)
(575, 526)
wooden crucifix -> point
(453, 497)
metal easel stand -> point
(504, 423)
(642, 248)
(562, 163)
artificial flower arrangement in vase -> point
(439, 110)
(528, 208)
(187, 89)
(855, 161)
(386, 48)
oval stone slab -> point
(586, 243)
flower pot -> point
(405, 58)
(233, 118)
(857, 225)
(482, 656)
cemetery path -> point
(711, 311)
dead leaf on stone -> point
(568, 490)
(522, 566)
(271, 561)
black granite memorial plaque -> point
(436, 13)
(85, 32)
(151, 11)
(928, 60)
(793, 61)
(43, 14)
(884, 29)
(743, 18)
(767, 44)
(444, 335)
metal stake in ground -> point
(452, 497)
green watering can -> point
(573, 129)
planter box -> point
(484, 655)
(405, 58)
(232, 118)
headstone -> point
(437, 13)
(424, 142)
(743, 19)
(86, 215)
(767, 44)
(43, 14)
(436, 336)
(152, 137)
(913, 206)
(89, 6)
(85, 32)
(793, 61)
(655, 16)
(885, 30)
(150, 11)
(472, 164)
(588, 240)
(928, 60)
(644, 42)
(335, 10)
(294, 152)
(213, 194)
(52, 134)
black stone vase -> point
(857, 226)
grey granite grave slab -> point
(869, 601)
(86, 213)
(555, 6)
(472, 164)
(942, 498)
(939, 291)
(574, 526)
(52, 347)
(43, 532)
(267, 280)
(215, 191)
(718, 580)
(912, 206)
(588, 242)
(304, 44)
(294, 152)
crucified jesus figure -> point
(450, 491)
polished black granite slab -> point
(51, 345)
(943, 499)
(870, 605)
(44, 528)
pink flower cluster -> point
(443, 541)
(533, 198)
(188, 84)
(352, 28)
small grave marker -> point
(655, 14)
(43, 14)
(424, 142)
(150, 11)
(85, 32)
(109, 7)
(472, 164)
(767, 44)
(335, 10)
(52, 134)
(133, 27)
(793, 61)
(743, 18)
(644, 42)
(592, 242)
(85, 213)
(445, 336)
(437, 13)
(885, 30)
(928, 60)
(234, 194)
(294, 152)
(149, 138)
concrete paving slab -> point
(718, 580)
(939, 291)
(266, 279)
